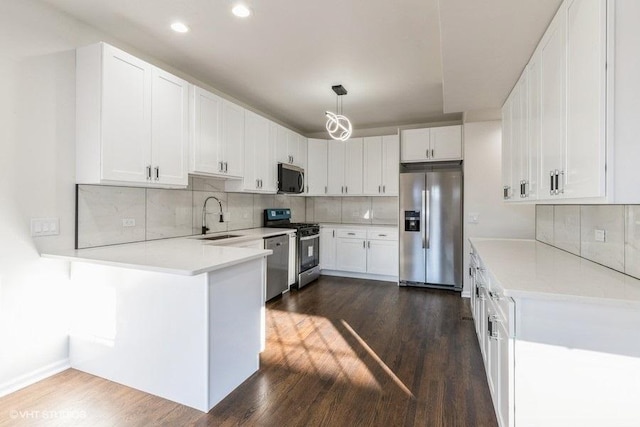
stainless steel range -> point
(307, 244)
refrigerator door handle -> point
(423, 219)
(426, 219)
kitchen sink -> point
(220, 237)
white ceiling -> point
(284, 59)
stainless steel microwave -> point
(290, 179)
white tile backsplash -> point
(566, 228)
(610, 219)
(632, 241)
(240, 211)
(544, 223)
(169, 213)
(327, 209)
(101, 210)
(356, 210)
(384, 210)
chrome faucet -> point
(204, 213)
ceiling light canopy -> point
(179, 27)
(338, 126)
(241, 11)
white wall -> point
(483, 191)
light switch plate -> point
(600, 235)
(128, 222)
(45, 227)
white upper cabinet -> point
(507, 143)
(381, 165)
(532, 188)
(290, 147)
(316, 170)
(258, 161)
(131, 120)
(335, 167)
(431, 144)
(353, 182)
(584, 171)
(217, 136)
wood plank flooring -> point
(340, 352)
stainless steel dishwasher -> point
(277, 265)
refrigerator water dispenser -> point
(411, 220)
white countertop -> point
(530, 269)
(187, 256)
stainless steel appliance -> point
(277, 265)
(431, 226)
(307, 244)
(290, 179)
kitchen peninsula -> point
(178, 318)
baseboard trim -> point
(466, 294)
(359, 275)
(34, 376)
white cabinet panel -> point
(382, 257)
(446, 143)
(372, 167)
(233, 138)
(507, 143)
(415, 145)
(552, 100)
(126, 116)
(170, 132)
(316, 170)
(533, 127)
(256, 139)
(390, 165)
(328, 248)
(335, 167)
(351, 255)
(353, 166)
(586, 61)
(206, 133)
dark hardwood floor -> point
(340, 352)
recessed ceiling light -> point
(179, 27)
(241, 11)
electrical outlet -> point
(128, 222)
(600, 235)
(45, 227)
(473, 218)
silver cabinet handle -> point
(257, 183)
(307, 188)
(427, 153)
(505, 192)
(382, 235)
(551, 183)
(364, 245)
(346, 189)
(369, 245)
(342, 189)
(220, 167)
(379, 189)
(334, 233)
(351, 234)
(226, 165)
(384, 188)
(422, 218)
(149, 173)
(325, 189)
(433, 155)
(157, 169)
(426, 219)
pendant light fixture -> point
(338, 126)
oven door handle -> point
(316, 236)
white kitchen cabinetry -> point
(507, 144)
(217, 141)
(554, 121)
(381, 163)
(431, 144)
(351, 250)
(131, 121)
(370, 252)
(290, 147)
(344, 167)
(259, 159)
(316, 171)
(327, 248)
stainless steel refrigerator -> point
(431, 227)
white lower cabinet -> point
(360, 249)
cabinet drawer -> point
(352, 234)
(382, 235)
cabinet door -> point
(382, 257)
(446, 143)
(233, 138)
(586, 99)
(552, 101)
(169, 128)
(518, 140)
(293, 146)
(335, 167)
(372, 165)
(353, 168)
(257, 150)
(415, 145)
(126, 117)
(282, 149)
(316, 171)
(390, 165)
(328, 249)
(351, 255)
(533, 119)
(206, 133)
(270, 180)
(506, 372)
(507, 142)
(303, 147)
